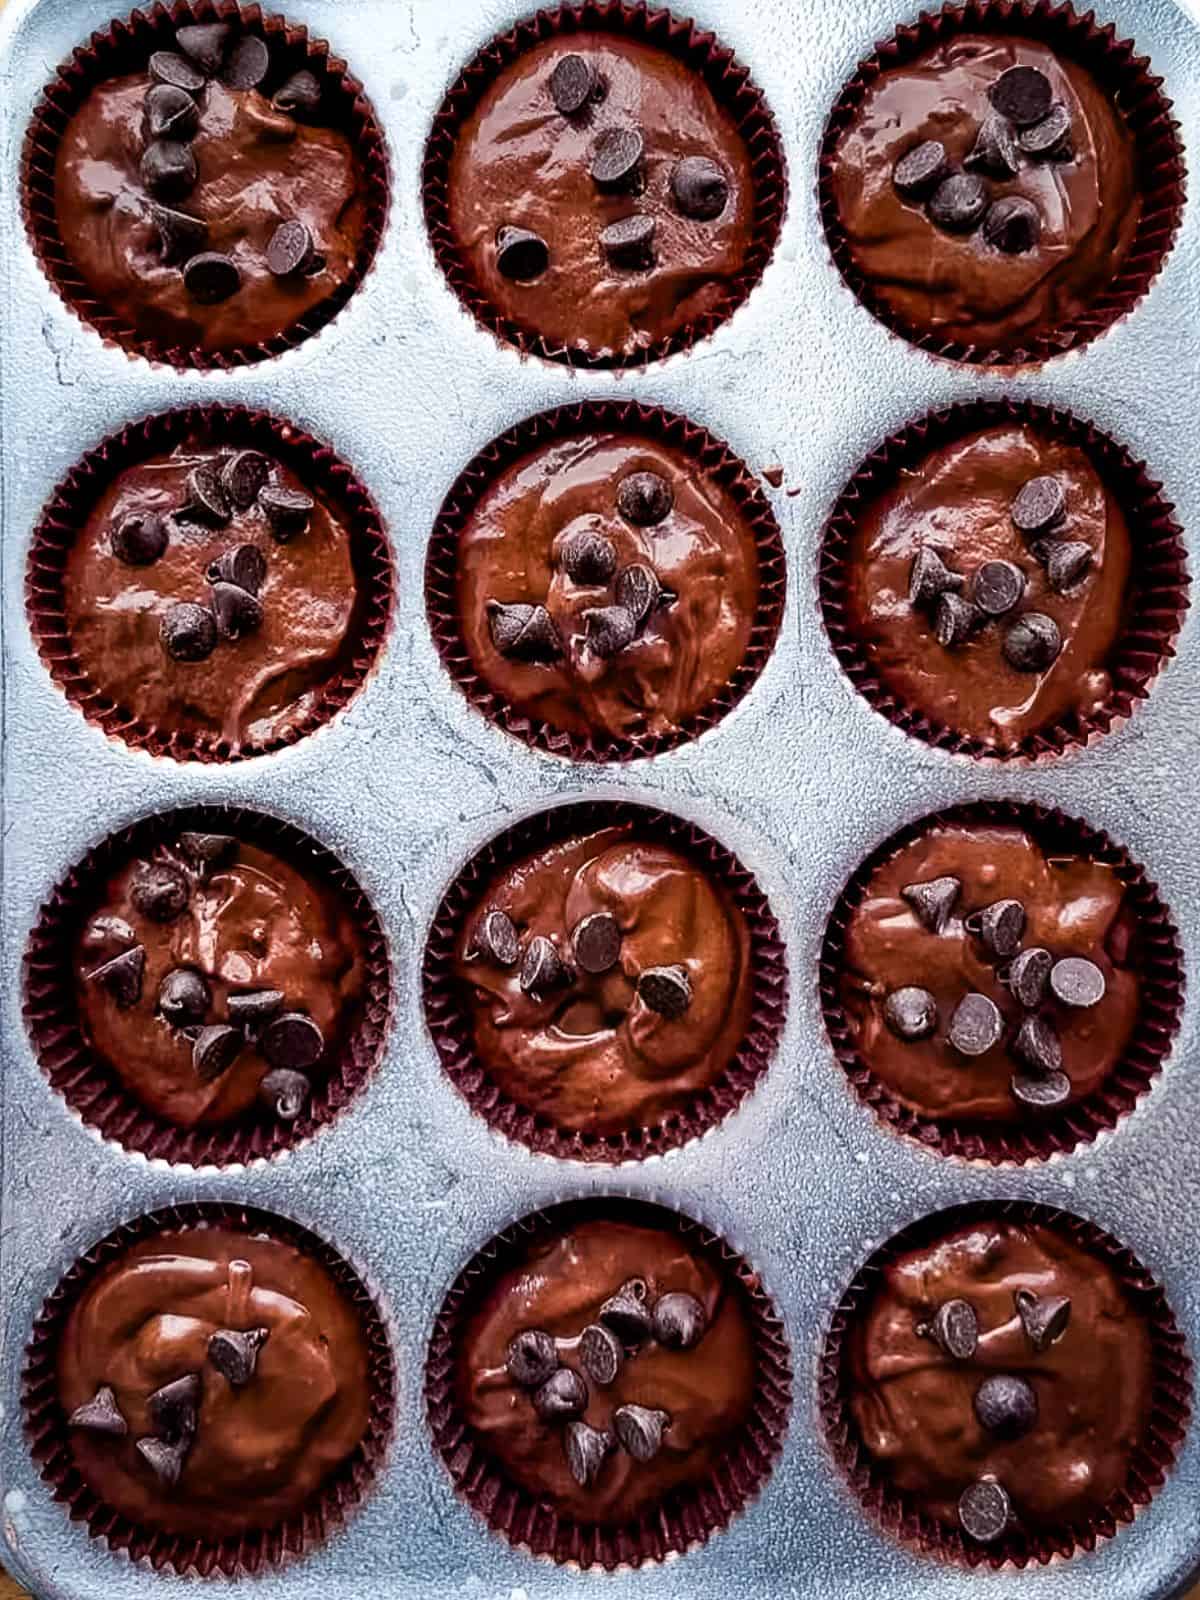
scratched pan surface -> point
(802, 781)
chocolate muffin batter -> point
(1001, 1376)
(987, 981)
(607, 979)
(990, 586)
(987, 191)
(610, 1368)
(218, 980)
(214, 1381)
(601, 196)
(607, 586)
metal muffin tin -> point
(802, 780)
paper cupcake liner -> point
(733, 89)
(237, 1554)
(689, 1515)
(318, 468)
(451, 1024)
(93, 1089)
(711, 456)
(126, 46)
(1130, 83)
(1158, 587)
(1161, 985)
(1169, 1411)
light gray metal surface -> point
(802, 781)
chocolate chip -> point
(122, 977)
(292, 1040)
(237, 611)
(640, 1430)
(984, 1510)
(630, 241)
(610, 629)
(542, 970)
(1038, 1046)
(496, 938)
(1032, 643)
(1027, 976)
(167, 66)
(531, 1358)
(170, 113)
(1049, 139)
(243, 477)
(1013, 225)
(1043, 1317)
(678, 1320)
(215, 1050)
(164, 1459)
(180, 235)
(617, 158)
(173, 1407)
(910, 1013)
(250, 1011)
(995, 150)
(997, 587)
(586, 1448)
(524, 632)
(976, 1025)
(1077, 981)
(287, 510)
(700, 188)
(184, 997)
(571, 84)
(563, 1395)
(998, 927)
(932, 901)
(1006, 1405)
(639, 591)
(959, 202)
(930, 578)
(284, 1093)
(626, 1314)
(600, 1353)
(301, 92)
(207, 850)
(211, 278)
(1041, 1091)
(108, 936)
(521, 254)
(139, 541)
(1022, 94)
(596, 942)
(160, 891)
(207, 498)
(644, 498)
(667, 990)
(248, 63)
(953, 621)
(1066, 561)
(1039, 505)
(290, 249)
(244, 567)
(101, 1414)
(169, 169)
(588, 558)
(917, 174)
(206, 44)
(956, 1328)
(235, 1353)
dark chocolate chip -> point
(211, 277)
(596, 942)
(679, 1321)
(911, 1013)
(207, 850)
(160, 891)
(563, 1395)
(164, 1459)
(292, 1040)
(587, 1449)
(284, 1093)
(1022, 94)
(101, 1414)
(521, 254)
(1041, 1091)
(1039, 505)
(1038, 1046)
(995, 150)
(930, 578)
(180, 235)
(248, 63)
(173, 1407)
(1076, 981)
(234, 1353)
(206, 44)
(589, 558)
(644, 498)
(1032, 643)
(524, 632)
(956, 1328)
(184, 997)
(168, 66)
(629, 242)
(237, 611)
(207, 498)
(610, 629)
(301, 92)
(122, 977)
(1066, 561)
(531, 1358)
(216, 1048)
(250, 1011)
(976, 1025)
(917, 174)
(999, 927)
(617, 158)
(496, 938)
(243, 478)
(699, 187)
(997, 587)
(170, 113)
(626, 1313)
(1043, 1317)
(572, 83)
(600, 1353)
(959, 202)
(640, 1430)
(1027, 975)
(984, 1510)
(290, 249)
(169, 169)
(542, 970)
(1013, 225)
(1006, 1405)
(639, 591)
(244, 566)
(287, 510)
(667, 990)
(139, 541)
(953, 621)
(932, 901)
(1049, 139)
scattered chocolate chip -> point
(586, 1448)
(215, 1050)
(531, 1358)
(542, 970)
(1032, 643)
(243, 477)
(524, 632)
(610, 629)
(250, 1011)
(1041, 1091)
(284, 1093)
(173, 1407)
(169, 169)
(956, 1328)
(496, 938)
(139, 541)
(211, 278)
(1076, 981)
(237, 611)
(1049, 139)
(122, 977)
(639, 591)
(301, 92)
(1038, 1046)
(700, 188)
(108, 936)
(521, 254)
(997, 587)
(998, 927)
(917, 174)
(1043, 1317)
(1039, 505)
(1022, 94)
(184, 997)
(959, 202)
(995, 150)
(1066, 561)
(244, 566)
(644, 498)
(180, 235)
(207, 850)
(170, 113)
(287, 510)
(1006, 1405)
(932, 901)
(248, 63)
(1013, 225)
(596, 942)
(292, 1040)
(600, 1353)
(164, 1459)
(953, 621)
(667, 990)
(207, 498)
(589, 558)
(984, 1510)
(679, 1321)
(234, 1353)
(290, 249)
(206, 44)
(101, 1414)
(930, 578)
(617, 158)
(160, 891)
(572, 83)
(629, 242)
(911, 1013)
(1027, 975)
(168, 66)
(640, 1430)
(563, 1395)
(976, 1025)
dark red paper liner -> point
(732, 87)
(90, 1086)
(1170, 1405)
(321, 470)
(1129, 81)
(126, 46)
(686, 1517)
(450, 1021)
(237, 1554)
(713, 457)
(1161, 986)
(1159, 584)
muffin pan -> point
(801, 781)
